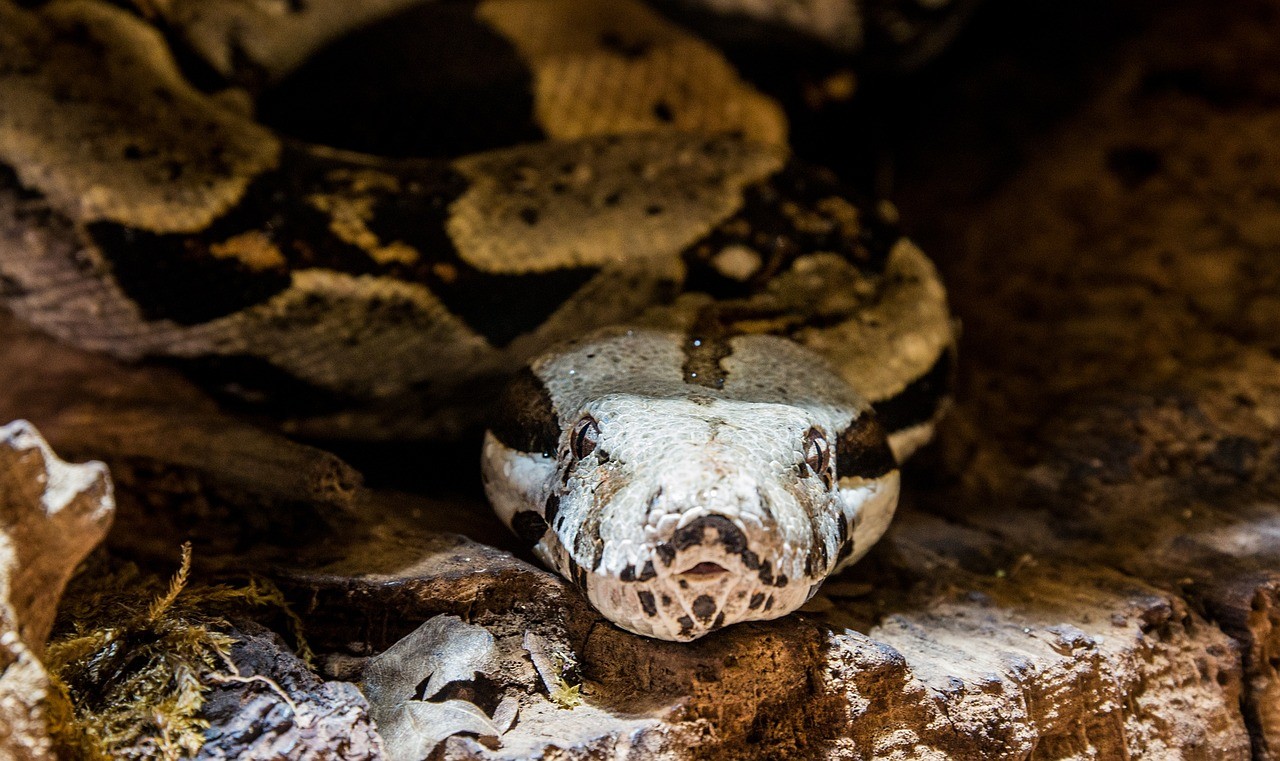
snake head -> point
(680, 507)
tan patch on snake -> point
(351, 209)
(900, 323)
(349, 217)
(829, 209)
(114, 132)
(636, 199)
(661, 76)
(253, 249)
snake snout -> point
(720, 545)
(716, 529)
(707, 548)
(716, 569)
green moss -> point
(568, 685)
(566, 695)
(133, 656)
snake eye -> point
(585, 437)
(817, 453)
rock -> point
(183, 469)
(278, 708)
(52, 514)
(936, 659)
(406, 682)
(1122, 401)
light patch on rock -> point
(52, 514)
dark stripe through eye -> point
(862, 451)
(919, 401)
(526, 417)
(585, 438)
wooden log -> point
(185, 469)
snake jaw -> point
(694, 569)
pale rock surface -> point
(52, 514)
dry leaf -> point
(418, 726)
(504, 716)
(443, 650)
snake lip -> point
(704, 570)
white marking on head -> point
(691, 507)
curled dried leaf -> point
(445, 650)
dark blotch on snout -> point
(646, 573)
(731, 537)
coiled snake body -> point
(714, 356)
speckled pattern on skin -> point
(752, 346)
(696, 507)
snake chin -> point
(715, 579)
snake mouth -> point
(704, 570)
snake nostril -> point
(704, 570)
(728, 535)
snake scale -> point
(701, 360)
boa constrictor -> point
(715, 356)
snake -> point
(698, 361)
